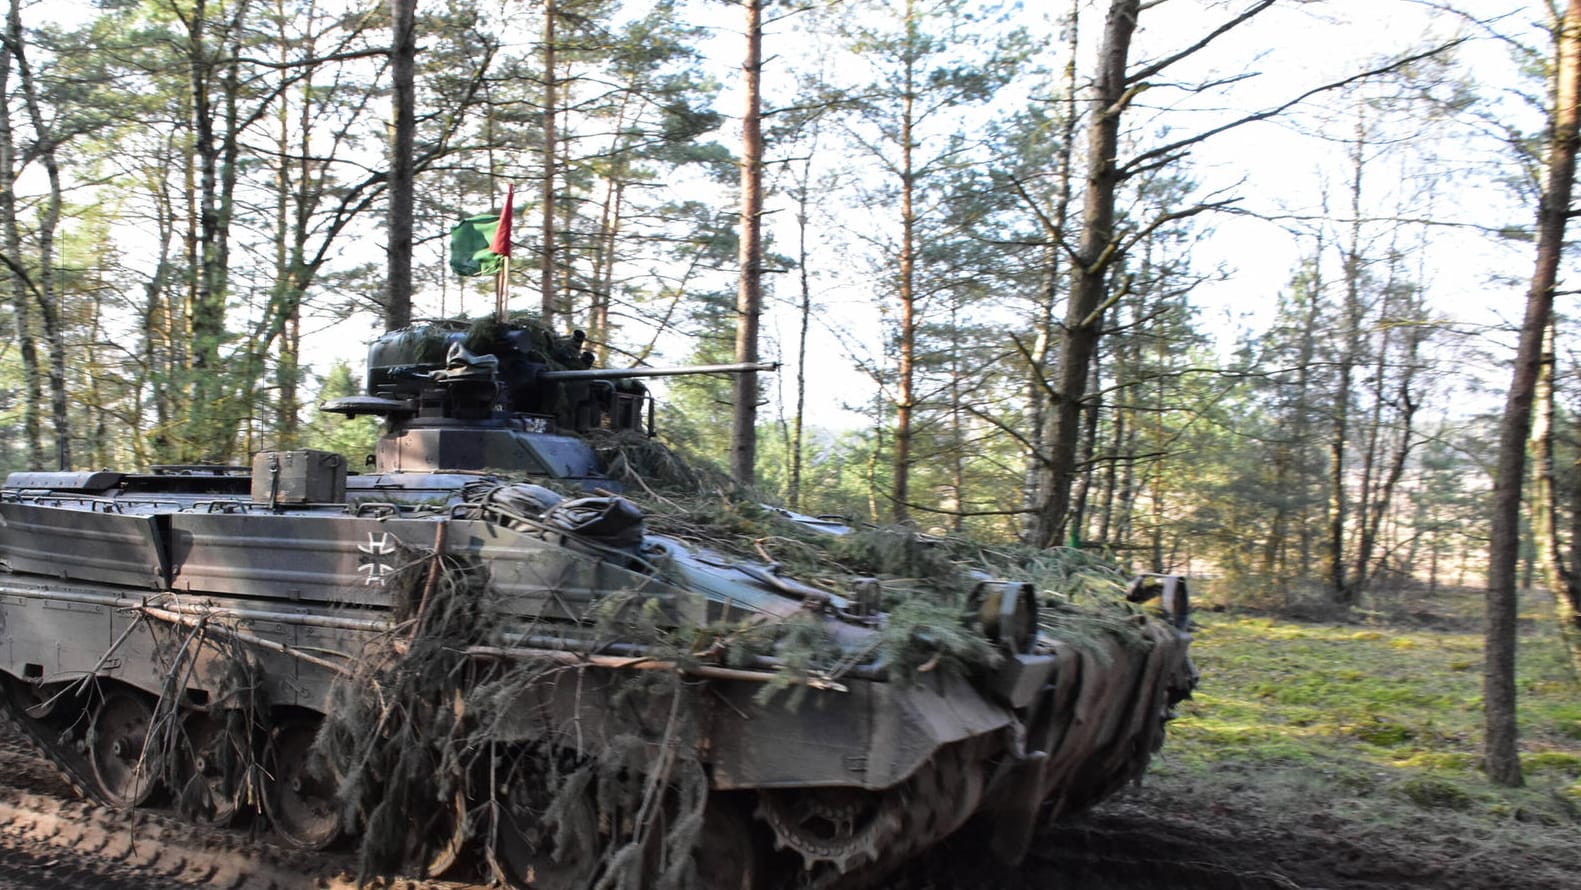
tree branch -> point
(1131, 167)
(1152, 69)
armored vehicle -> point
(476, 649)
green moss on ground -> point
(1375, 730)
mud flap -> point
(1016, 811)
(1018, 794)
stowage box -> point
(299, 477)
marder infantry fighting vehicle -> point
(442, 654)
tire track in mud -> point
(146, 847)
(1066, 859)
(22, 870)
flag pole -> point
(502, 289)
(501, 246)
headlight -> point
(1008, 614)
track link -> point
(99, 845)
(45, 740)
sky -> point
(1281, 171)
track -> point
(49, 838)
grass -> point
(1377, 727)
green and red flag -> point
(479, 245)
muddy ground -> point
(1149, 837)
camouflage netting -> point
(1083, 593)
(396, 731)
(427, 342)
(424, 736)
(647, 467)
(238, 713)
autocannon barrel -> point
(627, 373)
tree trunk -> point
(1301, 427)
(1369, 501)
(21, 299)
(207, 314)
(1500, 752)
(96, 414)
(295, 214)
(1558, 569)
(1125, 506)
(1569, 611)
(1383, 495)
(1433, 556)
(749, 295)
(1089, 448)
(611, 216)
(286, 367)
(905, 395)
(44, 293)
(804, 281)
(1341, 586)
(957, 421)
(161, 363)
(403, 144)
(1094, 254)
(1043, 320)
(546, 236)
(1104, 536)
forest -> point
(1231, 289)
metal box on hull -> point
(299, 477)
(78, 544)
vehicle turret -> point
(502, 397)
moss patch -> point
(1373, 732)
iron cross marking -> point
(374, 570)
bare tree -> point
(1101, 244)
(1500, 755)
(1098, 247)
(1559, 568)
